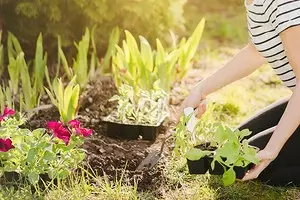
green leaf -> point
(113, 41)
(53, 100)
(49, 156)
(65, 63)
(63, 173)
(39, 65)
(31, 155)
(196, 154)
(73, 104)
(229, 177)
(230, 151)
(33, 177)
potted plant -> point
(225, 152)
(137, 114)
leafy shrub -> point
(69, 19)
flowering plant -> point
(33, 153)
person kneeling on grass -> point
(274, 27)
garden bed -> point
(106, 155)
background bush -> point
(69, 18)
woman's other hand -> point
(265, 157)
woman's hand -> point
(195, 100)
(265, 157)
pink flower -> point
(59, 131)
(5, 145)
(74, 123)
(84, 132)
(6, 113)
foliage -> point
(40, 64)
(29, 91)
(1, 55)
(141, 66)
(188, 49)
(231, 148)
(36, 152)
(70, 18)
(6, 97)
(147, 108)
(113, 42)
(81, 66)
(65, 99)
(20, 73)
(14, 49)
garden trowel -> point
(152, 158)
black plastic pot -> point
(200, 166)
(241, 171)
(132, 131)
(218, 169)
(124, 131)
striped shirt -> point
(266, 20)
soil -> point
(206, 147)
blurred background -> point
(226, 21)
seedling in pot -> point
(137, 114)
(226, 152)
(233, 155)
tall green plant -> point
(14, 49)
(142, 66)
(80, 65)
(165, 70)
(40, 64)
(1, 55)
(113, 41)
(188, 50)
(30, 94)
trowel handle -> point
(190, 125)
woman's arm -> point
(291, 117)
(242, 64)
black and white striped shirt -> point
(266, 20)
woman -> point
(274, 27)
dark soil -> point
(105, 155)
(206, 147)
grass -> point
(225, 32)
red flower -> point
(6, 113)
(74, 123)
(5, 145)
(84, 132)
(59, 131)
